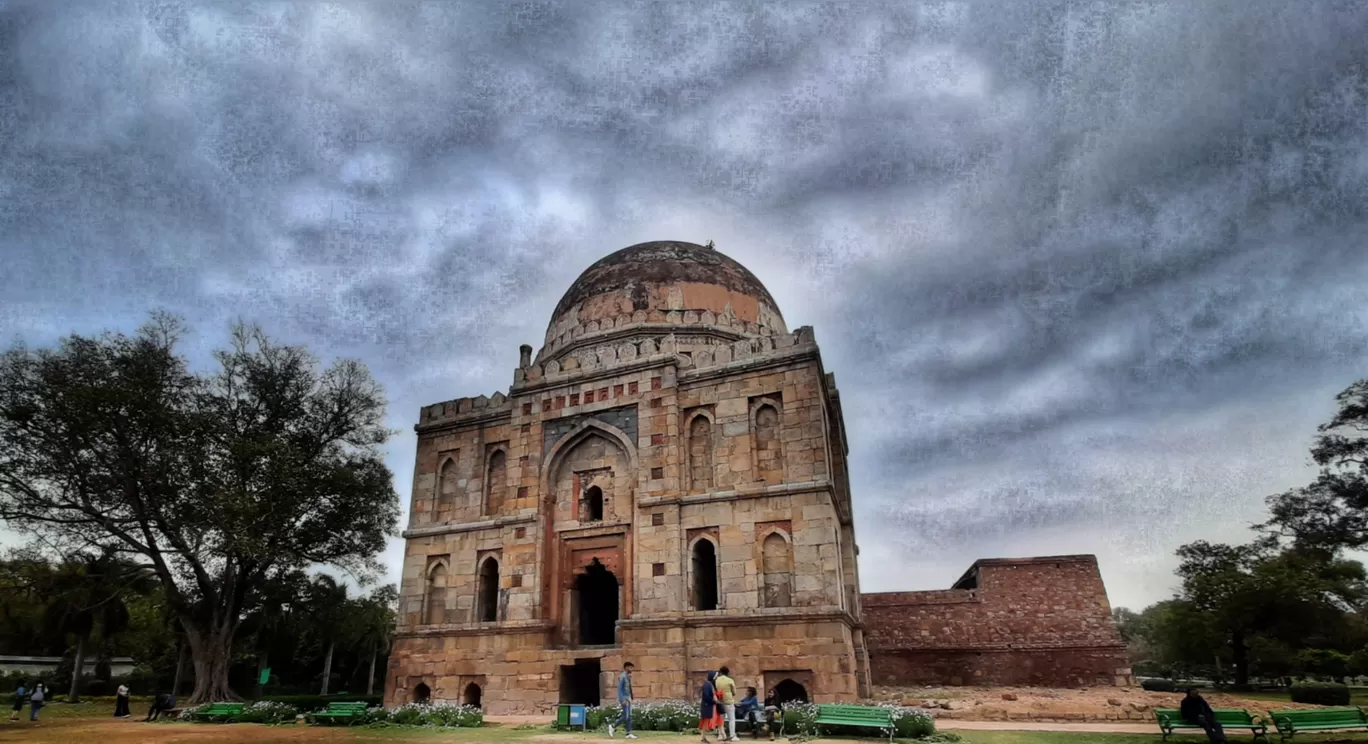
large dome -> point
(653, 286)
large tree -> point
(1261, 590)
(218, 482)
(1332, 511)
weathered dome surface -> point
(652, 281)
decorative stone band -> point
(644, 322)
(874, 645)
(504, 627)
(751, 616)
(487, 524)
(748, 492)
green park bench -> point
(1171, 721)
(223, 711)
(855, 716)
(1292, 722)
(348, 712)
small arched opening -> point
(593, 500)
(776, 565)
(487, 604)
(598, 605)
(789, 691)
(434, 610)
(704, 575)
(422, 694)
(471, 696)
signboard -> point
(265, 676)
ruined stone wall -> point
(1036, 621)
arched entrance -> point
(422, 693)
(597, 588)
(488, 600)
(472, 695)
(789, 691)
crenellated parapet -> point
(687, 350)
(460, 409)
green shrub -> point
(442, 715)
(1320, 693)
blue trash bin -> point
(578, 716)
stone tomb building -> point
(665, 483)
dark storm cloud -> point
(1085, 272)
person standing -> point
(708, 707)
(121, 702)
(727, 686)
(624, 696)
(36, 700)
(1196, 710)
(19, 694)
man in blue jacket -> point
(624, 695)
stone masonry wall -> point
(1035, 621)
(622, 426)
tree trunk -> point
(1239, 653)
(180, 667)
(370, 676)
(75, 695)
(211, 654)
(327, 667)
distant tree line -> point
(1286, 605)
(178, 513)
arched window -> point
(434, 610)
(472, 695)
(769, 462)
(700, 454)
(446, 485)
(496, 482)
(422, 694)
(593, 500)
(704, 575)
(777, 569)
(487, 603)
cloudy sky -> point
(1088, 275)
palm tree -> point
(329, 607)
(88, 591)
(376, 625)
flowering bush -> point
(665, 715)
(259, 712)
(443, 715)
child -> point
(19, 696)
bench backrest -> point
(1321, 716)
(346, 707)
(855, 714)
(226, 707)
(1224, 716)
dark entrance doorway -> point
(579, 684)
(789, 691)
(421, 693)
(597, 588)
(704, 576)
(472, 695)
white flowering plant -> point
(439, 715)
(258, 712)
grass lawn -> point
(66, 724)
(1357, 696)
